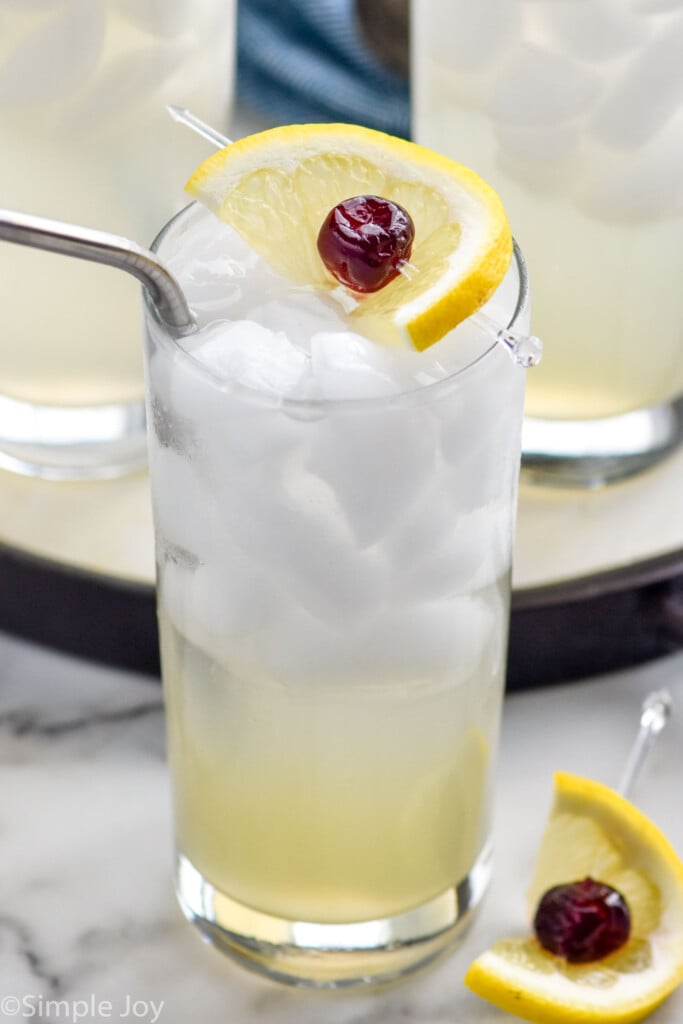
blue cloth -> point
(306, 60)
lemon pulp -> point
(276, 188)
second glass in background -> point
(574, 112)
(86, 139)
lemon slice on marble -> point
(276, 188)
(593, 831)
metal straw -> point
(655, 713)
(112, 250)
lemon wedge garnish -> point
(593, 831)
(276, 187)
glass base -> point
(331, 955)
(588, 453)
(56, 442)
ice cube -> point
(220, 605)
(541, 178)
(477, 554)
(646, 94)
(645, 184)
(470, 36)
(223, 278)
(198, 241)
(301, 648)
(541, 87)
(125, 83)
(163, 18)
(376, 460)
(345, 365)
(247, 353)
(58, 56)
(538, 156)
(478, 430)
(183, 503)
(228, 433)
(444, 551)
(289, 520)
(425, 531)
(215, 272)
(539, 148)
(422, 643)
(298, 312)
(596, 32)
(170, 423)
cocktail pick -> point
(184, 116)
(655, 713)
(526, 350)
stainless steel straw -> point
(112, 250)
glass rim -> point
(416, 394)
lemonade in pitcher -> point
(574, 112)
(86, 139)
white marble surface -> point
(89, 929)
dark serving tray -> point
(558, 633)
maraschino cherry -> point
(582, 921)
(364, 240)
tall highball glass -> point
(333, 596)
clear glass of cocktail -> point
(334, 523)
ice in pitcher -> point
(82, 90)
(573, 112)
